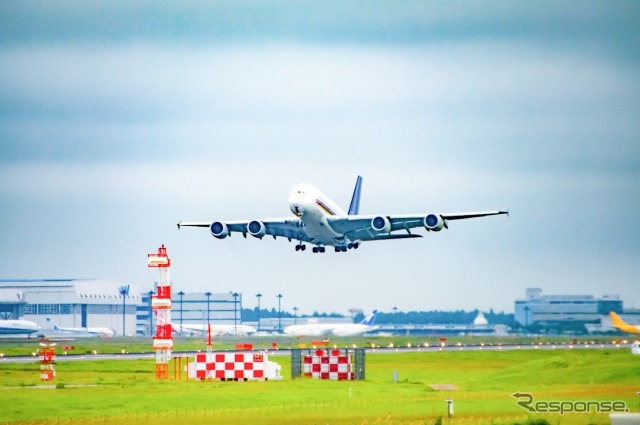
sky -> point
(118, 119)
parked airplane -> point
(618, 323)
(18, 327)
(216, 329)
(104, 332)
(336, 329)
(320, 222)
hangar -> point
(77, 303)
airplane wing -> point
(290, 228)
(369, 227)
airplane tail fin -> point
(370, 320)
(49, 319)
(354, 207)
(617, 321)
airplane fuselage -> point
(313, 208)
(215, 329)
(18, 327)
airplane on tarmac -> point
(104, 332)
(335, 329)
(219, 330)
(18, 327)
(620, 324)
(321, 222)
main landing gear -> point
(320, 248)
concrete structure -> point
(539, 308)
(77, 303)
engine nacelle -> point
(219, 230)
(381, 224)
(434, 222)
(256, 229)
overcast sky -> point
(119, 119)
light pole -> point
(150, 312)
(279, 313)
(124, 291)
(235, 312)
(258, 296)
(295, 315)
(208, 294)
(181, 293)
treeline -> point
(435, 317)
(251, 315)
(438, 317)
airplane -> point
(618, 323)
(232, 330)
(18, 327)
(335, 329)
(321, 222)
(104, 332)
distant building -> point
(82, 303)
(77, 303)
(546, 309)
(193, 308)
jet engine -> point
(381, 224)
(434, 222)
(256, 229)
(219, 230)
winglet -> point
(354, 207)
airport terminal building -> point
(548, 309)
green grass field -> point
(110, 392)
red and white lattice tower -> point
(47, 357)
(161, 306)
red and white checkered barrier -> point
(329, 364)
(234, 366)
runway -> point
(369, 350)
